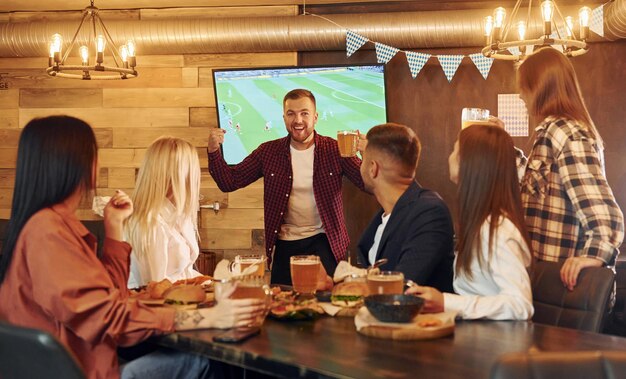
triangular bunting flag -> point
(482, 63)
(354, 41)
(416, 61)
(514, 50)
(596, 24)
(384, 53)
(450, 63)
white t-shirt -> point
(371, 255)
(170, 255)
(302, 218)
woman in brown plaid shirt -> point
(571, 212)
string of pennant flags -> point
(450, 63)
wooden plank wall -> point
(173, 95)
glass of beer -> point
(304, 272)
(347, 141)
(470, 116)
(385, 282)
(242, 262)
(246, 287)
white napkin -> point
(345, 269)
(329, 308)
(98, 204)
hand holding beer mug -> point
(471, 116)
(304, 272)
(347, 141)
(246, 287)
(385, 282)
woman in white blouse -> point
(491, 280)
(163, 228)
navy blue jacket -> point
(418, 239)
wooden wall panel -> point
(6, 196)
(190, 77)
(240, 59)
(150, 77)
(60, 97)
(9, 137)
(249, 197)
(220, 239)
(205, 77)
(104, 137)
(127, 158)
(203, 117)
(8, 157)
(9, 118)
(9, 98)
(233, 218)
(121, 177)
(127, 137)
(158, 97)
(7, 178)
(120, 117)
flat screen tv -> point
(249, 102)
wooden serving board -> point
(419, 329)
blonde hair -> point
(170, 172)
(549, 84)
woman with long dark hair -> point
(50, 276)
(490, 276)
(571, 213)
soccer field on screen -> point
(249, 102)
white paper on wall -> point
(512, 110)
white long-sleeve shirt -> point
(500, 291)
(171, 254)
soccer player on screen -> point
(303, 204)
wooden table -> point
(332, 347)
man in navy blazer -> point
(413, 230)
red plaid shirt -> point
(272, 161)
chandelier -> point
(101, 41)
(564, 36)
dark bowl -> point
(394, 308)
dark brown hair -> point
(488, 187)
(298, 93)
(398, 142)
(55, 157)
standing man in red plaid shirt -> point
(302, 187)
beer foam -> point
(303, 263)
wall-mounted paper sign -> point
(512, 110)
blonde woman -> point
(163, 228)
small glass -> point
(385, 282)
(304, 272)
(347, 141)
(471, 116)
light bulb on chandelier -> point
(102, 42)
(496, 32)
